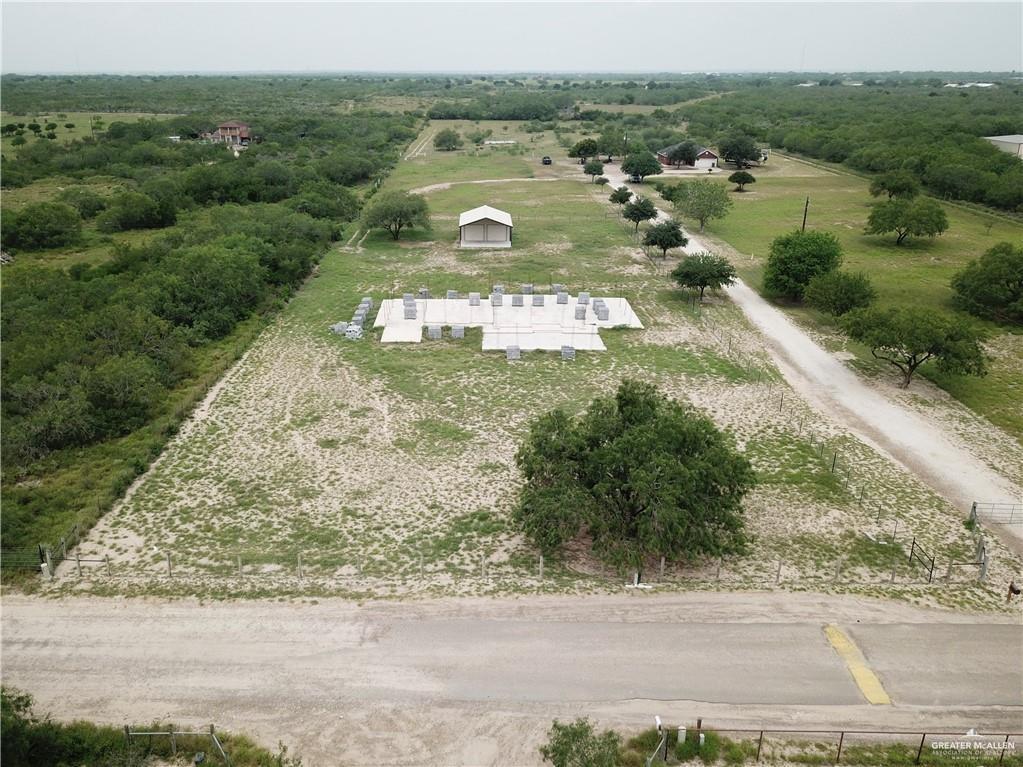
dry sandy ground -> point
(477, 682)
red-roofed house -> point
(232, 133)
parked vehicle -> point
(546, 160)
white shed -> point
(1012, 144)
(485, 227)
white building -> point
(485, 227)
(1012, 144)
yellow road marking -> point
(865, 679)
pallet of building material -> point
(517, 300)
(584, 298)
(568, 352)
(452, 294)
(513, 353)
(527, 288)
(538, 299)
(562, 297)
(458, 331)
(433, 332)
(339, 328)
(497, 299)
(474, 299)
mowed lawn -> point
(916, 273)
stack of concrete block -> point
(538, 299)
(406, 297)
(600, 309)
(353, 332)
(498, 288)
(452, 294)
(527, 288)
(580, 312)
(584, 298)
(568, 352)
(513, 353)
(424, 293)
(433, 332)
(562, 297)
(367, 302)
(409, 306)
(557, 287)
(458, 331)
(339, 328)
(517, 300)
(474, 299)
(497, 299)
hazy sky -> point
(510, 36)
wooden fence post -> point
(300, 564)
(920, 750)
(777, 576)
(541, 567)
(760, 745)
(78, 561)
(170, 572)
(106, 558)
(174, 740)
(717, 575)
(239, 565)
(841, 740)
(662, 568)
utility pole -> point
(805, 209)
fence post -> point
(127, 736)
(717, 575)
(300, 564)
(760, 745)
(420, 564)
(170, 572)
(49, 561)
(541, 567)
(948, 573)
(834, 460)
(920, 750)
(912, 549)
(174, 740)
(894, 566)
(841, 740)
(838, 569)
(78, 561)
(662, 568)
(777, 575)
(239, 565)
(1001, 756)
(973, 512)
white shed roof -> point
(482, 212)
(1015, 138)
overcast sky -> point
(510, 36)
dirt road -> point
(922, 446)
(478, 681)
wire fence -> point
(823, 746)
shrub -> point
(85, 201)
(130, 210)
(41, 225)
(796, 258)
(992, 287)
(838, 292)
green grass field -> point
(85, 124)
(916, 273)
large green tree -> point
(639, 210)
(665, 235)
(895, 183)
(992, 286)
(611, 142)
(919, 217)
(584, 149)
(643, 475)
(907, 337)
(447, 140)
(683, 152)
(704, 270)
(796, 258)
(641, 165)
(395, 211)
(739, 149)
(701, 200)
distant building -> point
(232, 133)
(500, 142)
(705, 158)
(1012, 144)
(485, 227)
